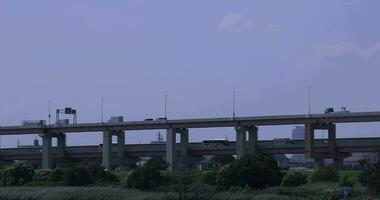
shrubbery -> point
(255, 171)
(209, 177)
(87, 175)
(326, 174)
(78, 176)
(370, 177)
(147, 177)
(292, 179)
(345, 183)
(17, 174)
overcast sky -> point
(133, 52)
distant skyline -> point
(132, 53)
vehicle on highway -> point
(216, 142)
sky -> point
(132, 53)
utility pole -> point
(309, 100)
(233, 105)
(49, 111)
(166, 114)
(102, 110)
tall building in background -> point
(298, 133)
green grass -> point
(352, 175)
(69, 193)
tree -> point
(255, 171)
(78, 176)
(147, 177)
(370, 177)
(293, 179)
(221, 160)
(17, 174)
(326, 174)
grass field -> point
(325, 190)
(69, 193)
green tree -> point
(78, 176)
(221, 160)
(370, 177)
(17, 174)
(326, 174)
(147, 177)
(293, 179)
(255, 171)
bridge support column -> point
(120, 147)
(309, 141)
(107, 150)
(338, 162)
(241, 140)
(252, 140)
(319, 163)
(61, 146)
(184, 142)
(47, 159)
(171, 148)
(332, 139)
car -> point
(162, 119)
(214, 142)
(149, 119)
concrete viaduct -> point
(243, 126)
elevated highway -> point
(344, 146)
(246, 137)
(330, 118)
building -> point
(298, 133)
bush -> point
(99, 174)
(56, 175)
(345, 182)
(255, 171)
(78, 176)
(210, 177)
(326, 174)
(292, 179)
(17, 174)
(370, 177)
(147, 177)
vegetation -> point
(17, 174)
(326, 174)
(251, 177)
(255, 171)
(345, 182)
(293, 179)
(147, 177)
(370, 177)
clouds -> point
(349, 48)
(238, 22)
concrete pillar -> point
(120, 147)
(338, 163)
(171, 148)
(61, 145)
(241, 140)
(107, 150)
(319, 163)
(332, 139)
(184, 142)
(47, 159)
(309, 141)
(252, 140)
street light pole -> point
(309, 100)
(166, 114)
(102, 110)
(233, 104)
